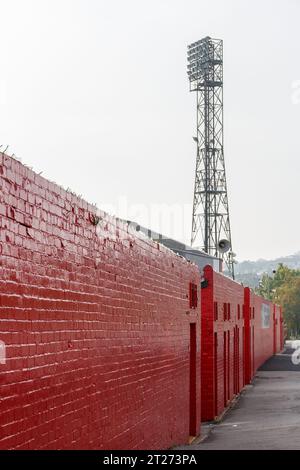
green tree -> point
(269, 285)
(283, 287)
(289, 298)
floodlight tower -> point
(211, 222)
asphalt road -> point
(267, 415)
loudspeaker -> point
(224, 246)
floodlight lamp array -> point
(197, 58)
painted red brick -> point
(96, 323)
(282, 332)
(279, 328)
(222, 332)
(264, 341)
(235, 343)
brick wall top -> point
(46, 212)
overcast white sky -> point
(94, 93)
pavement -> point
(265, 417)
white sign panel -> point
(265, 316)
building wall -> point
(233, 346)
(96, 323)
(279, 328)
(222, 355)
(282, 332)
(248, 334)
(266, 339)
(263, 337)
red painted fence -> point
(97, 323)
(222, 342)
(103, 328)
(240, 331)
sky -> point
(95, 94)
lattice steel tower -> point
(211, 225)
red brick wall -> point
(96, 323)
(248, 342)
(278, 318)
(263, 337)
(207, 348)
(281, 329)
(226, 368)
(222, 317)
(266, 341)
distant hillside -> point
(250, 272)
